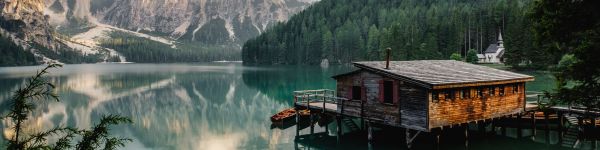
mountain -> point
(27, 38)
(197, 30)
(342, 31)
(139, 30)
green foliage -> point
(67, 55)
(39, 89)
(99, 134)
(142, 50)
(14, 55)
(569, 33)
(414, 29)
(456, 56)
(472, 56)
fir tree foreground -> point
(37, 90)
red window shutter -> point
(381, 91)
(396, 97)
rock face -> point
(25, 19)
(206, 21)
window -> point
(451, 95)
(356, 93)
(491, 91)
(466, 93)
(479, 92)
(435, 96)
(515, 88)
(501, 91)
(388, 92)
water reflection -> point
(173, 106)
(188, 106)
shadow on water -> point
(393, 138)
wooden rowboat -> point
(285, 115)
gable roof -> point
(492, 48)
(435, 74)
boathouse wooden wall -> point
(412, 100)
(447, 111)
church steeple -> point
(500, 42)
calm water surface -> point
(206, 106)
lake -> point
(209, 106)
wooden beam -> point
(370, 132)
(475, 84)
(466, 129)
(519, 129)
(533, 125)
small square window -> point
(479, 92)
(501, 91)
(451, 95)
(466, 93)
(491, 91)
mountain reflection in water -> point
(173, 106)
(202, 106)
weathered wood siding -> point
(413, 104)
(412, 99)
(446, 112)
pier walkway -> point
(324, 100)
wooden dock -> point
(323, 100)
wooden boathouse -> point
(427, 94)
(422, 96)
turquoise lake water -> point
(211, 106)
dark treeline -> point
(14, 55)
(352, 30)
(142, 50)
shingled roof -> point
(451, 73)
(492, 48)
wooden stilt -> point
(533, 125)
(408, 139)
(547, 120)
(481, 127)
(297, 123)
(362, 123)
(338, 122)
(370, 133)
(519, 129)
(503, 128)
(437, 139)
(312, 124)
(466, 128)
(494, 126)
(561, 125)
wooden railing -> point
(322, 95)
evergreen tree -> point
(472, 56)
(569, 31)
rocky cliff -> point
(206, 21)
(25, 20)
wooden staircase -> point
(571, 137)
(350, 124)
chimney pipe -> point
(387, 59)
